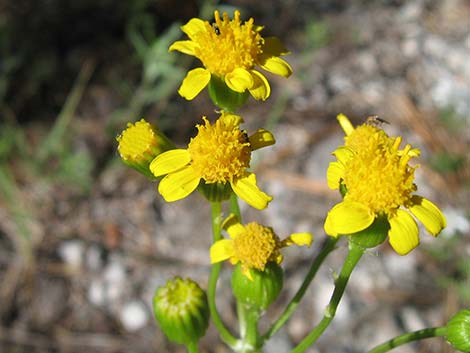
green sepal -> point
(458, 331)
(225, 98)
(215, 192)
(343, 190)
(262, 290)
(182, 311)
(373, 235)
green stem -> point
(409, 337)
(234, 208)
(248, 317)
(225, 334)
(327, 248)
(192, 347)
(354, 255)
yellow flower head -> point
(220, 153)
(379, 182)
(253, 245)
(230, 50)
(140, 143)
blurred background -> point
(85, 241)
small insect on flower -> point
(216, 29)
(374, 120)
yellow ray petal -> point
(261, 138)
(299, 239)
(334, 174)
(247, 189)
(403, 233)
(345, 124)
(343, 154)
(239, 80)
(221, 250)
(277, 66)
(233, 226)
(194, 82)
(178, 185)
(428, 214)
(194, 26)
(347, 218)
(261, 88)
(274, 47)
(230, 119)
(169, 161)
(184, 46)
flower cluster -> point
(371, 170)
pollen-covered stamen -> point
(378, 175)
(220, 153)
(257, 246)
(228, 44)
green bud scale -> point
(262, 289)
(373, 235)
(225, 98)
(215, 192)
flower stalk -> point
(353, 257)
(409, 337)
(225, 334)
(295, 301)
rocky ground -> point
(86, 283)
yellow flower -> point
(230, 50)
(220, 153)
(253, 245)
(140, 143)
(379, 182)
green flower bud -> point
(225, 98)
(263, 287)
(182, 311)
(140, 143)
(458, 331)
(373, 235)
(215, 192)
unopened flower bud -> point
(140, 143)
(458, 331)
(181, 310)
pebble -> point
(457, 222)
(71, 252)
(134, 316)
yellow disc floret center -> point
(221, 152)
(378, 175)
(137, 140)
(256, 246)
(228, 44)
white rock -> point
(456, 222)
(71, 252)
(93, 258)
(134, 316)
(400, 268)
(96, 292)
(114, 272)
(412, 319)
